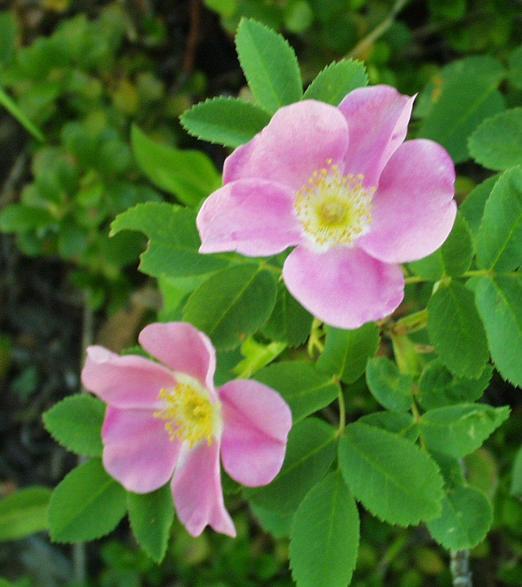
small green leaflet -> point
(24, 512)
(189, 175)
(460, 429)
(466, 517)
(232, 304)
(225, 121)
(516, 479)
(76, 424)
(325, 535)
(456, 331)
(269, 64)
(151, 516)
(391, 388)
(499, 241)
(305, 389)
(87, 504)
(347, 351)
(390, 476)
(173, 240)
(473, 206)
(399, 423)
(337, 80)
(309, 454)
(21, 218)
(276, 524)
(497, 143)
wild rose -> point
(167, 421)
(342, 186)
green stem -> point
(342, 413)
(474, 273)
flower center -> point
(189, 413)
(334, 209)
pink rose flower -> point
(169, 422)
(342, 186)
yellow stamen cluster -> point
(189, 414)
(334, 209)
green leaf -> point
(499, 242)
(466, 95)
(225, 121)
(289, 321)
(460, 429)
(515, 67)
(21, 218)
(516, 479)
(10, 105)
(269, 64)
(173, 240)
(397, 422)
(438, 387)
(456, 331)
(8, 37)
(347, 351)
(390, 476)
(151, 516)
(309, 454)
(466, 517)
(232, 304)
(305, 389)
(472, 209)
(76, 424)
(453, 258)
(86, 505)
(189, 175)
(391, 388)
(325, 535)
(497, 143)
(337, 80)
(256, 356)
(498, 302)
(274, 523)
(24, 512)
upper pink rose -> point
(342, 186)
(168, 421)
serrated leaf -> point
(516, 479)
(325, 535)
(499, 305)
(390, 476)
(497, 142)
(189, 175)
(232, 304)
(87, 504)
(305, 389)
(466, 517)
(173, 240)
(76, 424)
(438, 387)
(309, 454)
(391, 388)
(472, 209)
(269, 64)
(460, 429)
(456, 331)
(24, 512)
(337, 80)
(225, 121)
(289, 321)
(151, 516)
(347, 351)
(499, 242)
(453, 258)
(397, 422)
(276, 524)
(466, 95)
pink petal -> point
(183, 348)
(344, 286)
(256, 425)
(197, 492)
(137, 450)
(124, 382)
(414, 209)
(299, 139)
(252, 216)
(378, 122)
